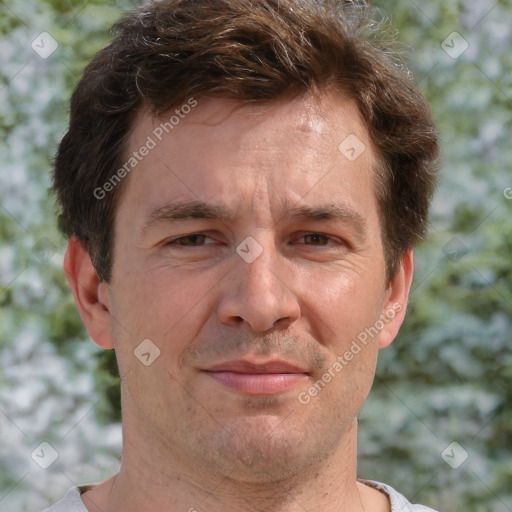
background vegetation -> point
(447, 378)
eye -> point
(319, 240)
(316, 239)
(193, 240)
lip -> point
(253, 367)
(257, 378)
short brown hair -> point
(168, 51)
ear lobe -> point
(397, 296)
(91, 298)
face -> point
(248, 250)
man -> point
(242, 184)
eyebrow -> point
(336, 211)
(200, 210)
(187, 210)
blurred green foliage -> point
(448, 375)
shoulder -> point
(398, 502)
(71, 502)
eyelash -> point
(328, 237)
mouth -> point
(257, 378)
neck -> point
(149, 481)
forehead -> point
(325, 117)
(223, 151)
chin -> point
(265, 449)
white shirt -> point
(72, 502)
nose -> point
(259, 294)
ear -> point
(397, 296)
(91, 296)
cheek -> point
(162, 307)
(342, 304)
(166, 312)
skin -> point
(189, 441)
